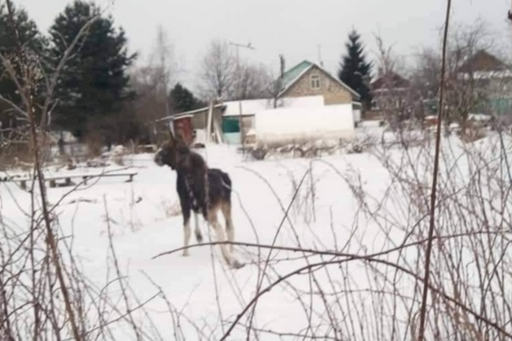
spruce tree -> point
(94, 83)
(182, 99)
(354, 70)
(32, 43)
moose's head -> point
(171, 152)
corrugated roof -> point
(292, 74)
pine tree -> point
(94, 83)
(182, 99)
(354, 70)
(32, 43)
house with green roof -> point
(310, 79)
(306, 86)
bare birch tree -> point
(464, 91)
(216, 71)
(254, 82)
(394, 95)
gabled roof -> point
(293, 75)
(390, 79)
(483, 61)
(295, 72)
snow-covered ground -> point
(326, 215)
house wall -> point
(492, 91)
(199, 122)
(332, 91)
(392, 98)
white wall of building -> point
(294, 124)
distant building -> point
(391, 96)
(310, 79)
(490, 79)
(305, 87)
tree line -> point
(97, 92)
(100, 91)
(103, 95)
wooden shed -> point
(182, 125)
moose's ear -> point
(171, 136)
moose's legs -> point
(186, 232)
(185, 211)
(230, 230)
(220, 234)
(197, 231)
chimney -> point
(282, 64)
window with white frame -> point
(315, 81)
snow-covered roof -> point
(191, 112)
(251, 107)
(184, 115)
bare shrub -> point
(365, 280)
(12, 152)
(43, 292)
(303, 207)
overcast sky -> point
(294, 28)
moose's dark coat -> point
(192, 191)
(190, 182)
(200, 189)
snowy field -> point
(346, 206)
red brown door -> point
(183, 126)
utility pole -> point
(237, 46)
(162, 49)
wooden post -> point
(241, 127)
(209, 122)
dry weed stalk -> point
(44, 295)
(345, 289)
